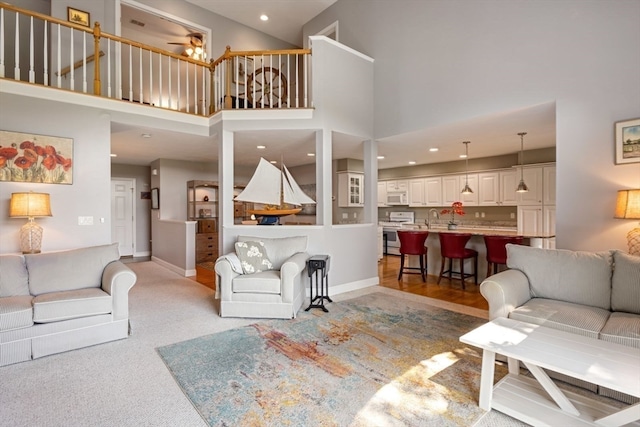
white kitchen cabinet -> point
(450, 189)
(382, 194)
(398, 185)
(549, 220)
(433, 191)
(416, 192)
(530, 220)
(533, 179)
(549, 185)
(469, 199)
(350, 189)
(508, 184)
(497, 188)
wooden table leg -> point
(486, 379)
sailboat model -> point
(275, 188)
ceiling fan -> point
(194, 47)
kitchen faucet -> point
(428, 220)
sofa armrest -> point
(290, 270)
(225, 275)
(505, 291)
(117, 279)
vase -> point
(452, 226)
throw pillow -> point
(625, 284)
(253, 257)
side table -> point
(318, 266)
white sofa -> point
(594, 294)
(278, 292)
(60, 301)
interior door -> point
(122, 215)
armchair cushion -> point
(253, 257)
(264, 282)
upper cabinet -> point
(350, 189)
(398, 185)
(425, 192)
(472, 198)
(450, 189)
(497, 188)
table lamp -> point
(628, 207)
(30, 205)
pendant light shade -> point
(522, 187)
(466, 189)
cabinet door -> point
(489, 189)
(549, 185)
(416, 192)
(382, 194)
(549, 220)
(451, 189)
(350, 187)
(533, 179)
(433, 191)
(530, 220)
(469, 199)
(508, 184)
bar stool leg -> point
(475, 270)
(401, 266)
(422, 268)
(441, 270)
(489, 265)
(462, 272)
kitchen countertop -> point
(479, 231)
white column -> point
(225, 188)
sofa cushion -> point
(14, 279)
(70, 304)
(265, 282)
(564, 316)
(253, 257)
(558, 274)
(279, 249)
(16, 312)
(625, 284)
(622, 328)
(69, 270)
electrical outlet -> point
(345, 215)
(85, 220)
(482, 214)
(513, 216)
(477, 214)
(355, 215)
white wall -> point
(440, 62)
(89, 193)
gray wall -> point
(444, 61)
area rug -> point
(370, 361)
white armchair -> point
(278, 292)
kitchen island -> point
(476, 242)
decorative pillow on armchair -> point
(253, 257)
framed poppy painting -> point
(26, 157)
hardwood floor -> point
(388, 268)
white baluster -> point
(151, 78)
(108, 68)
(297, 74)
(46, 54)
(169, 76)
(32, 73)
(289, 74)
(140, 83)
(72, 72)
(84, 62)
(179, 84)
(204, 91)
(195, 87)
(119, 68)
(160, 80)
(16, 68)
(186, 74)
(59, 73)
(1, 42)
(130, 74)
(306, 69)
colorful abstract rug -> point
(370, 361)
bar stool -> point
(452, 246)
(497, 251)
(412, 243)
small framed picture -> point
(155, 198)
(78, 17)
(627, 141)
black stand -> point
(318, 265)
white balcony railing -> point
(43, 50)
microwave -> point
(397, 198)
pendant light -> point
(522, 187)
(466, 189)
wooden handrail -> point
(78, 64)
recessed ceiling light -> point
(412, 162)
(311, 154)
(264, 17)
(261, 147)
(113, 155)
(463, 156)
(380, 157)
(146, 135)
(433, 149)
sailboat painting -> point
(276, 189)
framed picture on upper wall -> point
(78, 17)
(27, 157)
(628, 141)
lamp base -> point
(633, 239)
(30, 238)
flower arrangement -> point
(456, 209)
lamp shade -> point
(29, 205)
(628, 204)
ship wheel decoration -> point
(267, 88)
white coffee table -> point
(603, 363)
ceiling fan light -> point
(189, 51)
(198, 50)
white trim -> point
(328, 30)
(341, 46)
(351, 286)
(174, 268)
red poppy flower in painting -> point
(8, 152)
(27, 144)
(65, 163)
(23, 163)
(40, 150)
(31, 154)
(3, 162)
(49, 162)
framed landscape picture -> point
(26, 157)
(78, 16)
(627, 142)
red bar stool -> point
(452, 246)
(497, 251)
(412, 243)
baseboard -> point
(141, 254)
(174, 268)
(351, 286)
